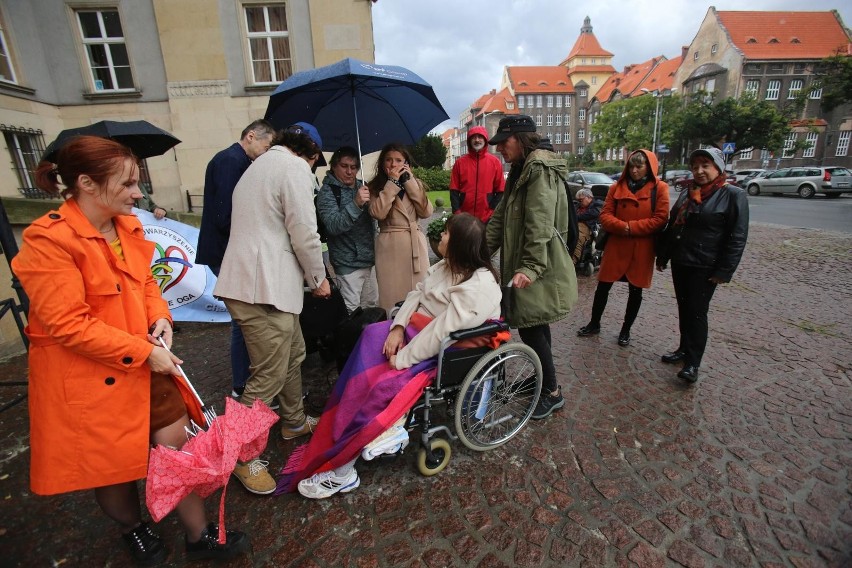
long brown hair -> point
(381, 178)
(96, 157)
(467, 249)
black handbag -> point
(601, 239)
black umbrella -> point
(141, 136)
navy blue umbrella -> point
(141, 136)
(359, 104)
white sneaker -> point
(392, 441)
(327, 483)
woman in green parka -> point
(529, 227)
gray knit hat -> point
(714, 154)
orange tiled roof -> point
(785, 35)
(628, 80)
(497, 103)
(808, 122)
(662, 77)
(586, 46)
(540, 79)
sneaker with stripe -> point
(325, 484)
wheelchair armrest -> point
(485, 329)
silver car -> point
(805, 181)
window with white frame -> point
(582, 114)
(764, 154)
(520, 101)
(582, 92)
(567, 120)
(581, 149)
(752, 86)
(567, 101)
(550, 120)
(594, 79)
(538, 100)
(510, 105)
(581, 134)
(538, 120)
(558, 101)
(106, 52)
(746, 154)
(772, 90)
(621, 153)
(550, 136)
(558, 138)
(25, 147)
(558, 120)
(816, 93)
(795, 88)
(268, 42)
(811, 140)
(549, 101)
(7, 70)
(843, 143)
(789, 142)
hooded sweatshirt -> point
(476, 176)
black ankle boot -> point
(624, 337)
(146, 547)
(590, 328)
(208, 546)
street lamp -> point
(658, 118)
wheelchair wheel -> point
(442, 452)
(498, 396)
(589, 268)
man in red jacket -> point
(477, 182)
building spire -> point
(587, 26)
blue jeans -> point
(240, 360)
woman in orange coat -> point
(635, 210)
(100, 389)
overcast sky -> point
(461, 46)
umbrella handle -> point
(182, 374)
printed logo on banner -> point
(181, 282)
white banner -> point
(186, 286)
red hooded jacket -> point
(477, 175)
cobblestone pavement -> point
(750, 467)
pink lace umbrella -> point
(207, 460)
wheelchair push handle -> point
(487, 328)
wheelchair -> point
(489, 393)
(590, 258)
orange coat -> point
(633, 256)
(89, 389)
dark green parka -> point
(524, 228)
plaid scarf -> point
(696, 197)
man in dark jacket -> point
(343, 206)
(588, 212)
(477, 181)
(223, 173)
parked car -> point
(741, 175)
(671, 175)
(804, 181)
(596, 182)
(685, 181)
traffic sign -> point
(662, 148)
(729, 147)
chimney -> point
(493, 91)
(683, 51)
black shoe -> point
(547, 404)
(624, 338)
(146, 546)
(689, 373)
(208, 546)
(589, 329)
(675, 356)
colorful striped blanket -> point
(367, 399)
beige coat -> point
(274, 245)
(402, 258)
(453, 307)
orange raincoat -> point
(90, 312)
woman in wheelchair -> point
(392, 363)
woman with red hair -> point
(100, 388)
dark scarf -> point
(696, 197)
(636, 185)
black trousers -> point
(634, 302)
(693, 291)
(538, 338)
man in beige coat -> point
(273, 251)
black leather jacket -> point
(714, 237)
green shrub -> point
(439, 202)
(436, 179)
(436, 226)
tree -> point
(429, 152)
(835, 79)
(749, 122)
(629, 123)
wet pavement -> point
(752, 466)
